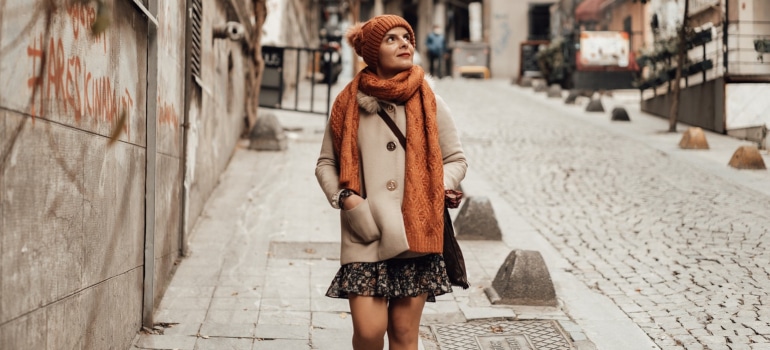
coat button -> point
(392, 185)
(391, 146)
(390, 108)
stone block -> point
(539, 85)
(523, 279)
(620, 114)
(554, 91)
(525, 82)
(476, 220)
(694, 138)
(572, 97)
(267, 134)
(747, 157)
(595, 105)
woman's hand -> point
(352, 201)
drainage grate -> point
(305, 250)
(501, 335)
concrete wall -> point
(72, 208)
(217, 111)
(508, 27)
(701, 105)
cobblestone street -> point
(682, 251)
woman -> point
(391, 197)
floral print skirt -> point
(394, 278)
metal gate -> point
(299, 79)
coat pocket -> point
(362, 225)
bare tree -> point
(257, 66)
(673, 114)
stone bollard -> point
(572, 97)
(747, 157)
(694, 138)
(595, 105)
(267, 134)
(525, 82)
(476, 220)
(554, 91)
(620, 114)
(540, 85)
(523, 279)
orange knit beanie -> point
(366, 37)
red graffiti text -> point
(70, 87)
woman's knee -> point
(368, 334)
(403, 333)
(404, 319)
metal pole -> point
(313, 54)
(188, 85)
(296, 80)
(150, 174)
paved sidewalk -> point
(265, 249)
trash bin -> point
(470, 60)
(271, 89)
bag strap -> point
(392, 125)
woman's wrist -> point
(343, 196)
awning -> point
(589, 11)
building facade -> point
(111, 141)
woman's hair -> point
(366, 37)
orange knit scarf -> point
(423, 203)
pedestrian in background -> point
(436, 49)
(391, 197)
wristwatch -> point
(344, 195)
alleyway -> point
(649, 246)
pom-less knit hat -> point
(366, 37)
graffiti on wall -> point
(167, 114)
(501, 43)
(68, 85)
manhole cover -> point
(305, 250)
(501, 335)
(505, 342)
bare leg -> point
(370, 321)
(404, 322)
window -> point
(627, 25)
(196, 23)
(539, 22)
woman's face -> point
(396, 53)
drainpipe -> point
(188, 84)
(148, 304)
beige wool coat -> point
(374, 230)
